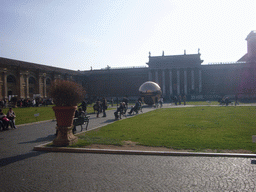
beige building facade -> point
(30, 80)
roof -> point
(244, 58)
(176, 60)
(16, 63)
(251, 35)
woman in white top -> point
(11, 116)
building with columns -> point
(176, 74)
(28, 80)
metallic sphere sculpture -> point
(149, 91)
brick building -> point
(176, 74)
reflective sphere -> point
(150, 92)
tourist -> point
(97, 107)
(227, 101)
(4, 120)
(104, 106)
(120, 110)
(126, 101)
(112, 102)
(161, 100)
(236, 100)
(11, 116)
(136, 107)
(179, 99)
(184, 99)
(175, 100)
(156, 102)
(84, 105)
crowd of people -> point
(101, 106)
(179, 99)
(33, 102)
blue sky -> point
(80, 34)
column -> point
(163, 80)
(185, 83)
(44, 85)
(178, 82)
(170, 74)
(156, 77)
(26, 85)
(200, 81)
(5, 95)
(40, 85)
(192, 80)
(149, 75)
(21, 90)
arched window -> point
(32, 80)
(48, 81)
(31, 90)
(11, 79)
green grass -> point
(201, 103)
(196, 128)
(27, 115)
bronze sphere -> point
(149, 92)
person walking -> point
(98, 103)
(184, 99)
(161, 102)
(179, 99)
(104, 106)
(236, 100)
(156, 102)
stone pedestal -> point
(65, 137)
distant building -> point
(176, 74)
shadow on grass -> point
(10, 160)
(42, 139)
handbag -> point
(5, 119)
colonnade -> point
(173, 78)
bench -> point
(139, 109)
(81, 121)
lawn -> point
(36, 114)
(196, 128)
(32, 114)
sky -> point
(80, 34)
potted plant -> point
(65, 95)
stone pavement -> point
(22, 169)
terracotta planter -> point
(64, 115)
(65, 137)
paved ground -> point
(22, 169)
